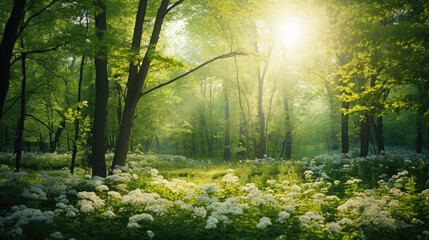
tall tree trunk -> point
(260, 150)
(76, 123)
(209, 134)
(137, 79)
(98, 161)
(243, 140)
(226, 146)
(6, 48)
(119, 109)
(20, 128)
(288, 126)
(268, 119)
(364, 136)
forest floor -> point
(171, 197)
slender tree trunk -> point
(6, 48)
(243, 141)
(268, 119)
(364, 136)
(76, 127)
(288, 127)
(20, 128)
(136, 80)
(226, 146)
(261, 144)
(98, 161)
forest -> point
(214, 119)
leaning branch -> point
(173, 5)
(33, 52)
(40, 121)
(33, 16)
(228, 55)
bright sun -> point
(291, 32)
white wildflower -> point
(345, 221)
(295, 188)
(283, 216)
(263, 223)
(101, 188)
(335, 227)
(153, 172)
(200, 212)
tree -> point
(101, 93)
(6, 48)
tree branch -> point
(34, 51)
(40, 121)
(173, 6)
(35, 15)
(228, 55)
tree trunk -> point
(261, 144)
(268, 119)
(119, 109)
(20, 128)
(158, 146)
(98, 161)
(364, 136)
(42, 144)
(243, 139)
(6, 48)
(137, 79)
(288, 127)
(344, 129)
(54, 143)
(76, 127)
(226, 145)
(379, 135)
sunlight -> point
(291, 31)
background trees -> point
(351, 75)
